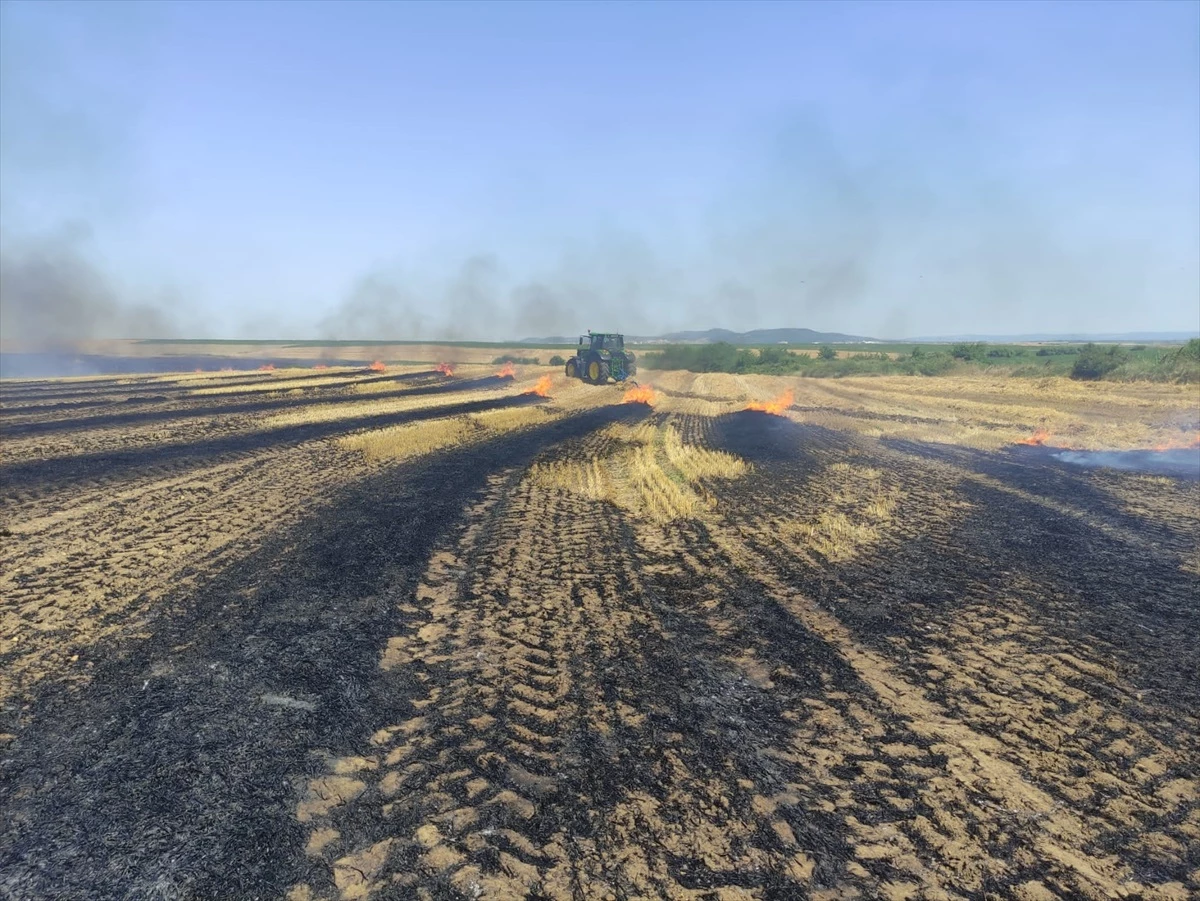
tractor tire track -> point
(1023, 678)
(570, 732)
(88, 572)
(170, 772)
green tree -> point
(1096, 362)
(827, 353)
(969, 350)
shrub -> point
(969, 350)
(1185, 362)
(1096, 362)
(719, 357)
(827, 353)
(557, 360)
(773, 360)
(929, 364)
(509, 358)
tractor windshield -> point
(603, 342)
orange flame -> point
(227, 369)
(321, 366)
(377, 366)
(445, 368)
(1037, 439)
(507, 372)
(542, 388)
(641, 394)
(775, 406)
(267, 367)
(1178, 445)
(197, 370)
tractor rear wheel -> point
(604, 373)
(593, 371)
(572, 368)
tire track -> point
(85, 573)
(572, 732)
(1012, 668)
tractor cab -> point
(601, 342)
(601, 356)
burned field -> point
(417, 635)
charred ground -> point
(583, 648)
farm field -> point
(339, 633)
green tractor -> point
(601, 356)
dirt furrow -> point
(88, 573)
(988, 653)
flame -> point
(445, 368)
(642, 394)
(1037, 439)
(267, 367)
(777, 405)
(321, 366)
(542, 388)
(1178, 445)
(227, 369)
(507, 372)
(197, 370)
(377, 366)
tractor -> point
(601, 356)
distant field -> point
(339, 633)
(1131, 362)
(138, 356)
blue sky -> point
(469, 169)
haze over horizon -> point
(488, 170)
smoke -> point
(66, 141)
(609, 282)
(921, 195)
(872, 235)
(51, 295)
(376, 306)
(945, 201)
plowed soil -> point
(620, 651)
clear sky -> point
(510, 169)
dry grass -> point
(365, 408)
(696, 406)
(416, 439)
(276, 384)
(655, 475)
(508, 418)
(834, 535)
(206, 376)
(374, 387)
(858, 507)
(984, 411)
(405, 441)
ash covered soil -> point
(625, 652)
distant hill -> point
(1172, 337)
(714, 335)
(764, 336)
